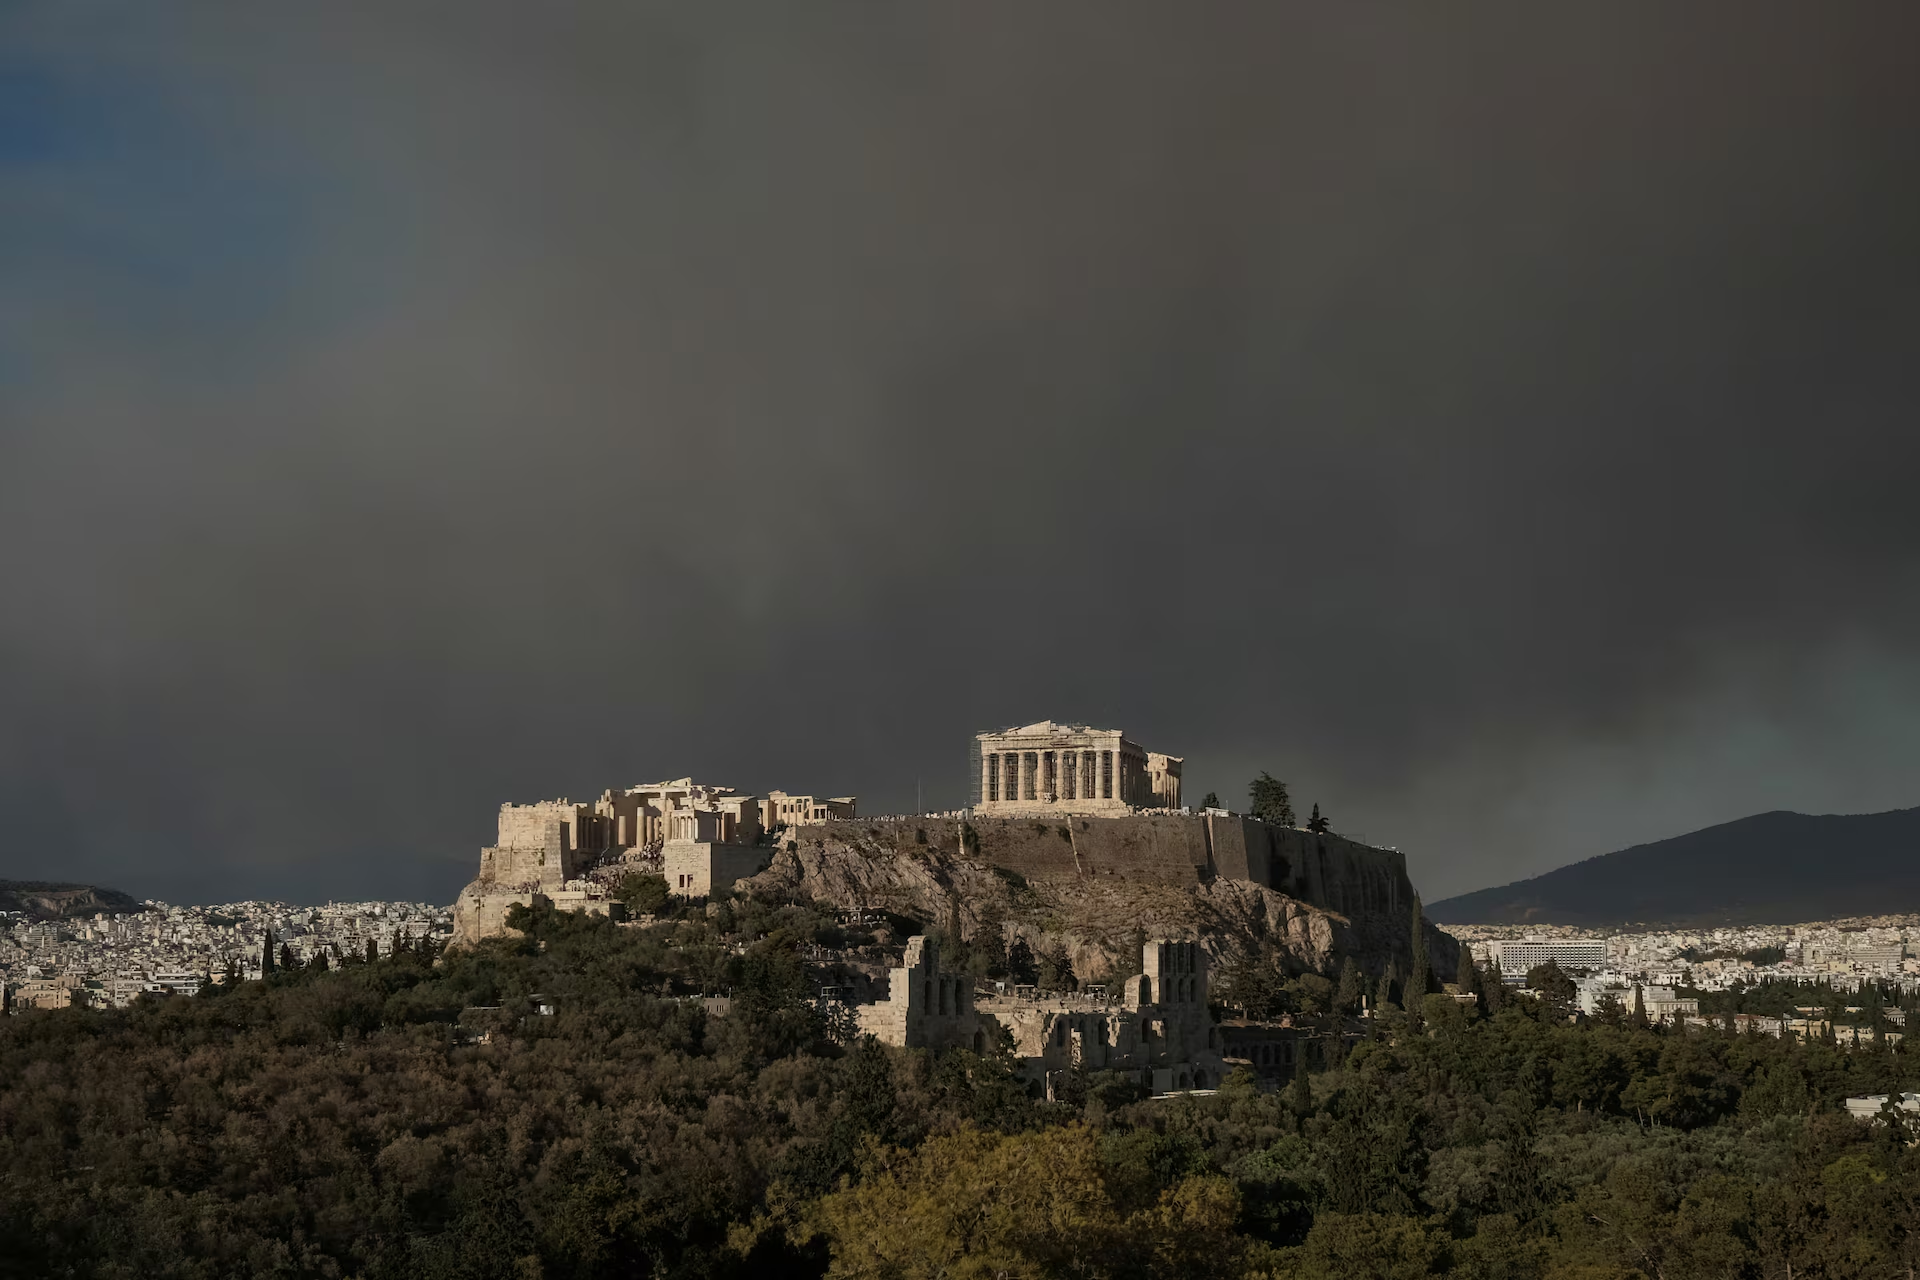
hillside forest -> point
(424, 1117)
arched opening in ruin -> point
(980, 1042)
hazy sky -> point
(1498, 422)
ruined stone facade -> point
(782, 810)
(1273, 1051)
(1047, 768)
(1159, 1033)
(653, 813)
(926, 1007)
(706, 837)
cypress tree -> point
(266, 955)
(1302, 1087)
(287, 961)
(1385, 995)
(1352, 987)
(1493, 991)
(1470, 979)
(1417, 979)
(1639, 1007)
(373, 951)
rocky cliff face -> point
(1096, 920)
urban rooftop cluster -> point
(110, 959)
(1668, 972)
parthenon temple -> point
(1048, 768)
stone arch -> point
(1146, 990)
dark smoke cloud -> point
(1499, 425)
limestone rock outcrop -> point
(1096, 920)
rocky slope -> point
(1097, 922)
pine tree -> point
(1270, 802)
(1211, 802)
(287, 961)
(1554, 988)
(1417, 978)
(1317, 824)
(1056, 971)
(1020, 963)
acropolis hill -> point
(1075, 839)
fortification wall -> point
(1178, 849)
(532, 825)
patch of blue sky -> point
(126, 210)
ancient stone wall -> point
(694, 869)
(479, 912)
(527, 825)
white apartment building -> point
(1516, 957)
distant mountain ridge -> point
(1772, 868)
(47, 900)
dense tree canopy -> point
(419, 1119)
